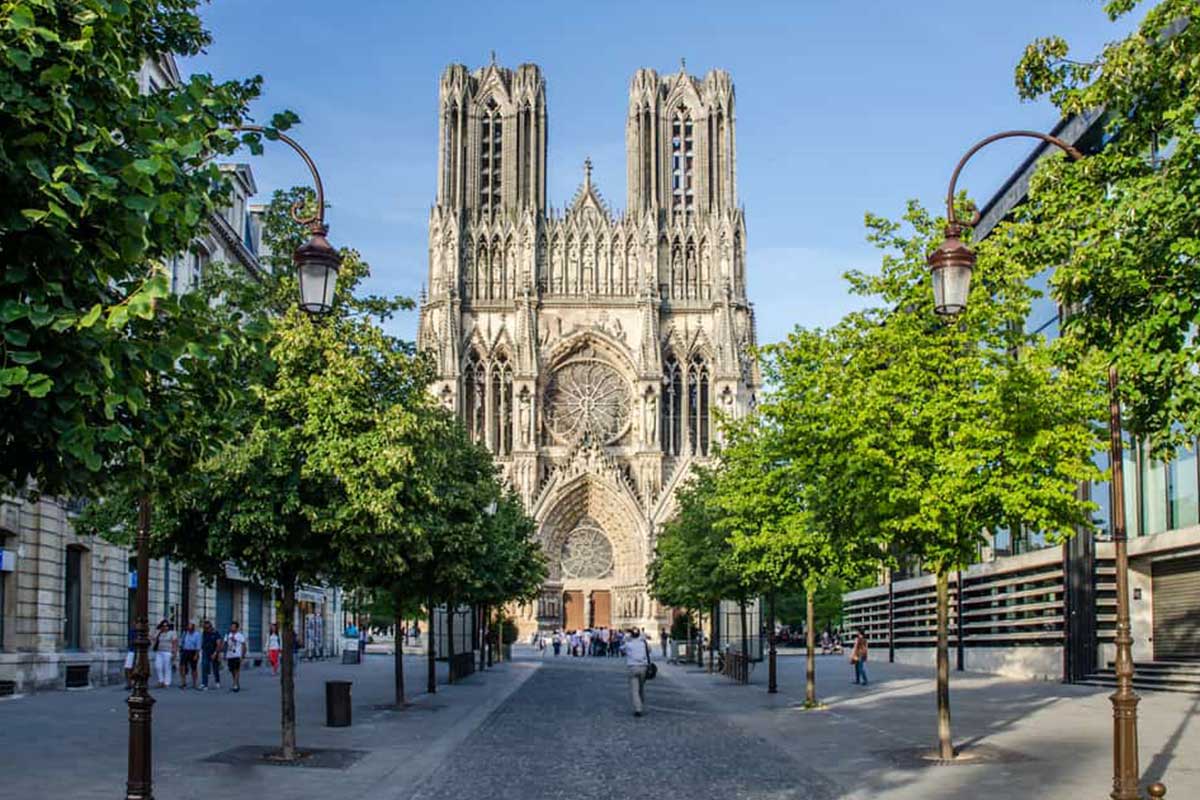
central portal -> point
(601, 609)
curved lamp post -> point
(317, 264)
(952, 264)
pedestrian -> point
(362, 642)
(129, 658)
(189, 655)
(235, 651)
(164, 645)
(557, 642)
(210, 656)
(637, 662)
(858, 657)
(273, 647)
(662, 640)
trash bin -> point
(337, 704)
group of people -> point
(594, 642)
(199, 653)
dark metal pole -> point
(139, 784)
(958, 613)
(1124, 699)
(891, 620)
(772, 675)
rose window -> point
(587, 399)
(587, 553)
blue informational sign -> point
(133, 579)
(8, 561)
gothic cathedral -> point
(592, 351)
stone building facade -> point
(66, 599)
(592, 351)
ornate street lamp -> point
(317, 262)
(317, 265)
(951, 264)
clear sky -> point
(842, 107)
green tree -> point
(99, 186)
(692, 567)
(975, 424)
(1121, 227)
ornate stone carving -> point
(587, 553)
(587, 399)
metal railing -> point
(462, 665)
(736, 665)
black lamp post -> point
(951, 264)
(317, 264)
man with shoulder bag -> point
(640, 668)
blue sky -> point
(841, 108)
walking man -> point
(662, 640)
(637, 661)
(210, 656)
(235, 651)
(189, 655)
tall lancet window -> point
(450, 156)
(672, 408)
(698, 406)
(526, 147)
(683, 162)
(502, 401)
(491, 131)
(474, 396)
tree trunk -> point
(810, 645)
(691, 641)
(398, 637)
(431, 680)
(287, 673)
(712, 638)
(745, 629)
(487, 633)
(772, 672)
(450, 639)
(479, 633)
(945, 744)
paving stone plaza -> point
(548, 728)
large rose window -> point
(587, 398)
(587, 553)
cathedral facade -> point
(592, 351)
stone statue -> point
(523, 417)
(651, 426)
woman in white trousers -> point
(163, 650)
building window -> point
(672, 408)
(491, 130)
(1154, 494)
(73, 600)
(474, 397)
(1182, 496)
(502, 402)
(698, 407)
(682, 162)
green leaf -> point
(39, 385)
(20, 18)
(24, 356)
(139, 202)
(89, 319)
(13, 376)
(16, 336)
(147, 166)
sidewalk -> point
(73, 744)
(1030, 739)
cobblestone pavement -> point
(569, 732)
